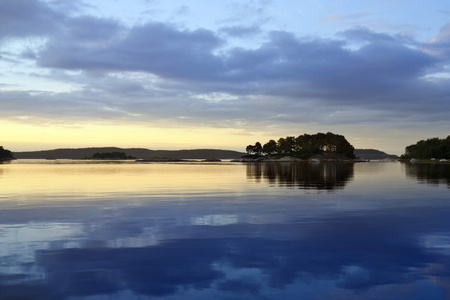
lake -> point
(125, 230)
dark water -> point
(71, 230)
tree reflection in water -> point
(303, 175)
(430, 173)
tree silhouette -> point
(305, 146)
(5, 154)
(427, 149)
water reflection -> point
(303, 175)
(90, 179)
(389, 253)
(433, 173)
(228, 245)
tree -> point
(257, 148)
(5, 154)
(270, 147)
(282, 146)
(254, 149)
(290, 144)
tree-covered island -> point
(321, 145)
(5, 154)
(428, 149)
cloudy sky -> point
(171, 74)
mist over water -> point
(90, 230)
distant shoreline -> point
(138, 153)
(425, 161)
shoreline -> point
(425, 161)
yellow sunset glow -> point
(24, 137)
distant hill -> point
(139, 153)
(373, 154)
(142, 153)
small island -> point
(315, 147)
(5, 155)
(112, 156)
(212, 159)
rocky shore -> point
(280, 158)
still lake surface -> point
(125, 230)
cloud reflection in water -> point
(354, 253)
(250, 246)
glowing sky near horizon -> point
(222, 74)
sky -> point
(169, 74)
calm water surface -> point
(90, 230)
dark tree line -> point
(111, 155)
(427, 149)
(5, 154)
(304, 146)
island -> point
(435, 149)
(312, 147)
(112, 155)
(5, 155)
